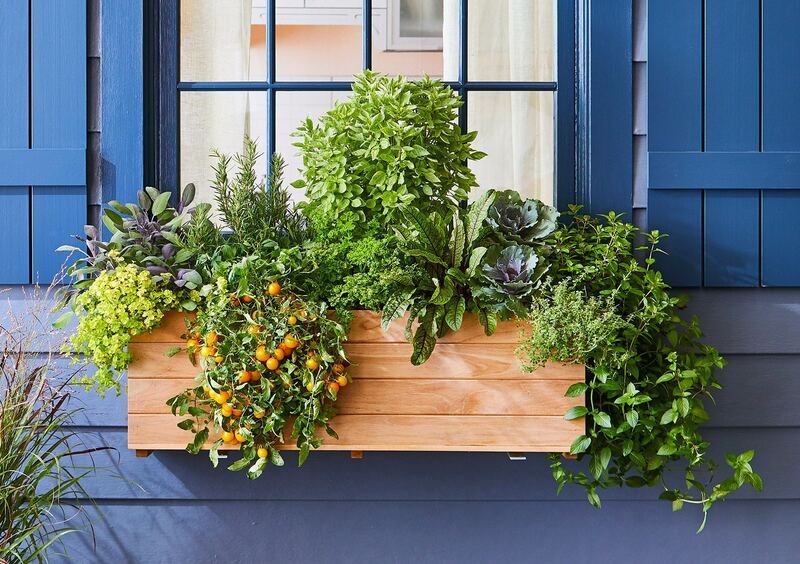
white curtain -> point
(509, 40)
(215, 46)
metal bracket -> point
(516, 456)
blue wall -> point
(394, 507)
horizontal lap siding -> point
(455, 507)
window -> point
(257, 67)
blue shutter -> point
(42, 134)
(724, 140)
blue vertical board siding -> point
(732, 98)
(14, 227)
(611, 118)
(58, 103)
(122, 90)
(731, 231)
(781, 132)
(675, 123)
(780, 238)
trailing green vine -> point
(650, 373)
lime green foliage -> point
(119, 304)
(649, 376)
(567, 326)
(352, 271)
(393, 142)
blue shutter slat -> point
(14, 229)
(732, 98)
(781, 76)
(780, 238)
(680, 211)
(122, 103)
(781, 132)
(66, 167)
(731, 238)
(58, 101)
(612, 107)
(675, 123)
(724, 171)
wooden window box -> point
(470, 395)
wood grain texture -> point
(387, 361)
(478, 433)
(365, 328)
(414, 397)
(470, 395)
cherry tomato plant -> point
(272, 365)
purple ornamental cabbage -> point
(514, 272)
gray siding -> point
(427, 507)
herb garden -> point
(267, 301)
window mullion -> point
(367, 34)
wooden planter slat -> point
(487, 433)
(470, 396)
(386, 361)
(419, 397)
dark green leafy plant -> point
(351, 265)
(393, 143)
(649, 376)
(446, 248)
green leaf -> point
(475, 258)
(632, 417)
(199, 440)
(240, 464)
(303, 455)
(576, 389)
(443, 294)
(258, 467)
(580, 445)
(395, 308)
(457, 240)
(666, 450)
(454, 313)
(489, 320)
(603, 419)
(427, 255)
(275, 457)
(476, 215)
(63, 320)
(575, 412)
(213, 453)
(186, 424)
(161, 203)
(423, 343)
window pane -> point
(416, 37)
(326, 48)
(218, 120)
(221, 40)
(512, 40)
(291, 108)
(517, 131)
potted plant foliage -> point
(385, 258)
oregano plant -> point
(650, 374)
(394, 142)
